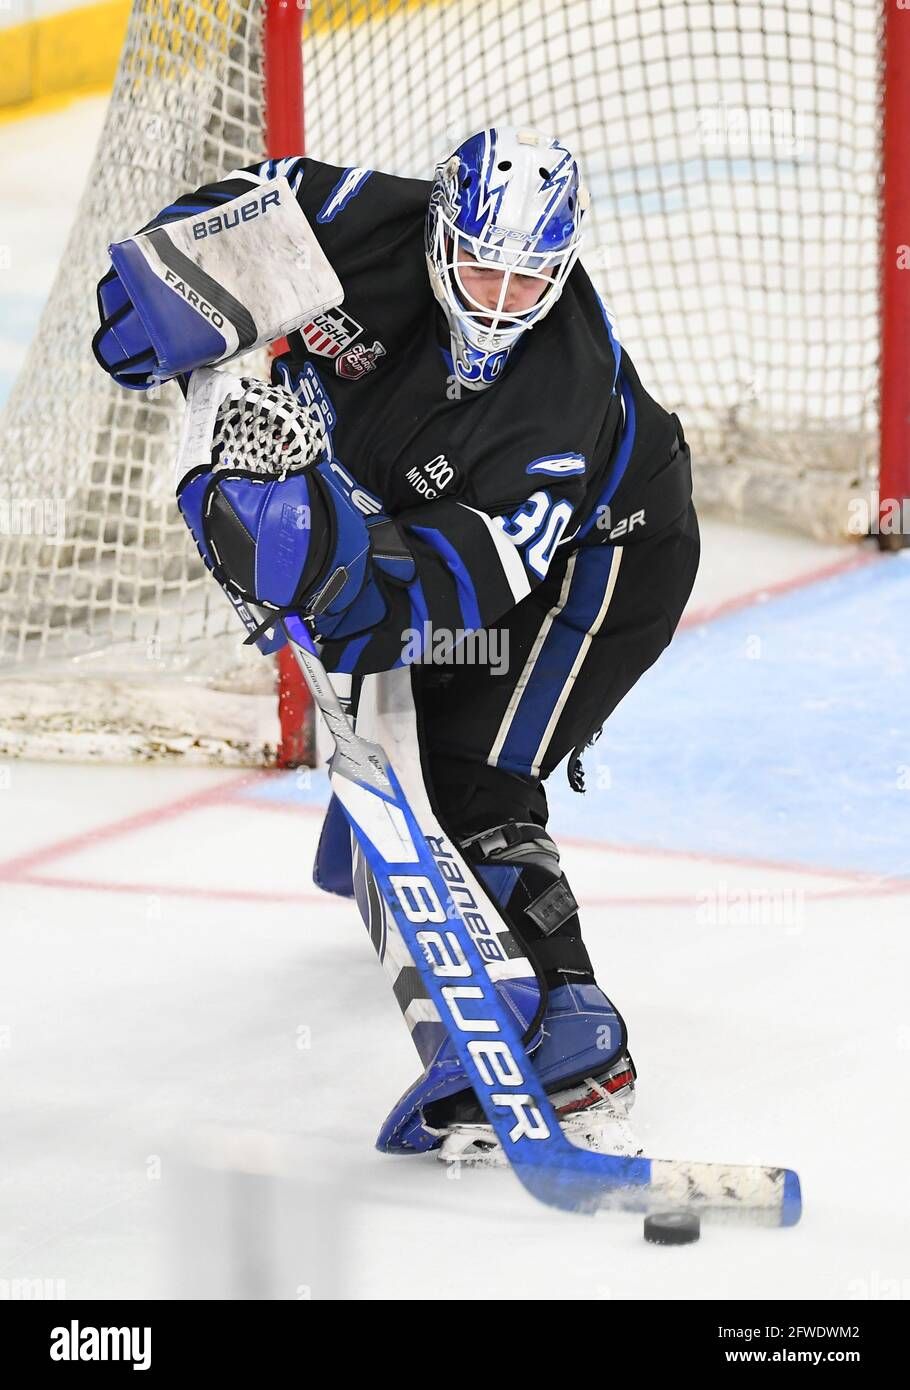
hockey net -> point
(732, 152)
(732, 148)
(115, 642)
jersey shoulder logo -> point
(347, 187)
(330, 333)
(358, 360)
(558, 465)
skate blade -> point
(477, 1146)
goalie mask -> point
(508, 204)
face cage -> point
(494, 330)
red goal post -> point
(114, 643)
(285, 135)
(894, 411)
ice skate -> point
(593, 1107)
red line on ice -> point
(157, 890)
(210, 796)
(24, 868)
(872, 882)
(859, 876)
(710, 612)
(688, 901)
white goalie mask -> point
(507, 201)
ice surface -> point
(171, 978)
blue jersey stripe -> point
(420, 614)
(620, 463)
(547, 679)
(614, 344)
(544, 686)
(351, 654)
(467, 594)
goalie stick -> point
(486, 1040)
(267, 435)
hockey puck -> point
(672, 1228)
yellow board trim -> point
(48, 61)
(323, 16)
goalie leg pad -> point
(405, 1129)
(582, 1034)
(333, 868)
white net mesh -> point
(731, 148)
(102, 594)
(266, 429)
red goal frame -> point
(284, 135)
(894, 366)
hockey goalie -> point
(454, 445)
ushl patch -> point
(359, 360)
(330, 333)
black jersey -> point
(487, 487)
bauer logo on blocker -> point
(211, 226)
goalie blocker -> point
(188, 291)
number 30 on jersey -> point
(537, 526)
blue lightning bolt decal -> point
(487, 209)
(558, 182)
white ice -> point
(197, 1048)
